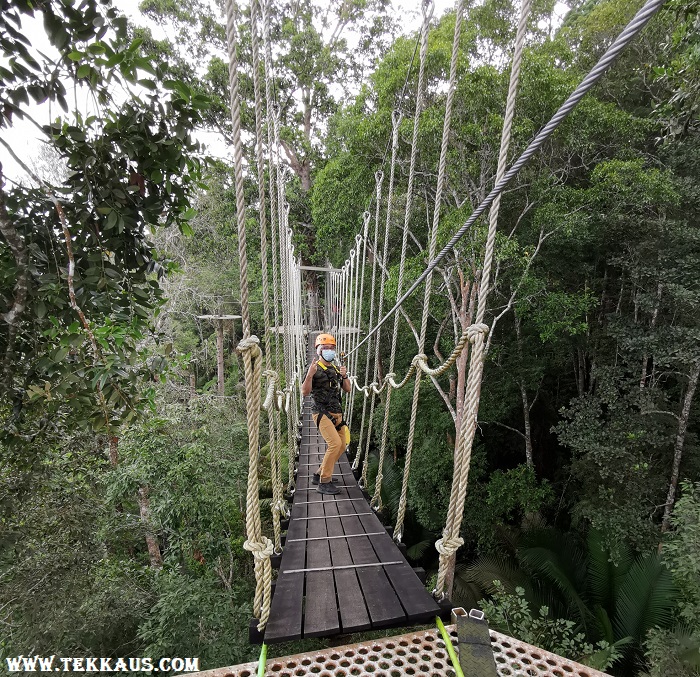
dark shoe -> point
(316, 478)
(327, 488)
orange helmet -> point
(324, 340)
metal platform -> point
(417, 653)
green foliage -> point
(195, 617)
(64, 587)
(673, 653)
(131, 167)
(619, 458)
(681, 551)
(511, 614)
(614, 604)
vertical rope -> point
(378, 178)
(261, 547)
(267, 61)
(396, 123)
(278, 504)
(442, 167)
(427, 7)
(357, 318)
(448, 545)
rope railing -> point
(346, 290)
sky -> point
(25, 139)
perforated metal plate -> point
(418, 653)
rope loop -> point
(379, 176)
(448, 546)
(365, 218)
(396, 116)
(427, 7)
(475, 330)
(358, 237)
(262, 549)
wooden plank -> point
(353, 611)
(417, 602)
(321, 609)
(285, 621)
(382, 603)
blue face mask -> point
(328, 355)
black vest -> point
(326, 390)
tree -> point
(80, 276)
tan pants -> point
(335, 439)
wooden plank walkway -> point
(340, 570)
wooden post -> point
(220, 357)
(219, 319)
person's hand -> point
(312, 368)
(343, 371)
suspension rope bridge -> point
(340, 571)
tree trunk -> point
(528, 429)
(193, 384)
(113, 451)
(151, 541)
(220, 356)
(678, 447)
(524, 397)
(312, 301)
(652, 324)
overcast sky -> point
(24, 138)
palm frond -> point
(605, 627)
(417, 550)
(487, 569)
(604, 576)
(647, 598)
(552, 556)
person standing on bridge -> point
(325, 383)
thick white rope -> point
(261, 547)
(396, 123)
(279, 507)
(427, 8)
(451, 540)
(378, 178)
(442, 171)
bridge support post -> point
(475, 651)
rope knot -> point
(261, 550)
(272, 375)
(280, 506)
(420, 360)
(251, 343)
(475, 330)
(448, 546)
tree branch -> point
(503, 425)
